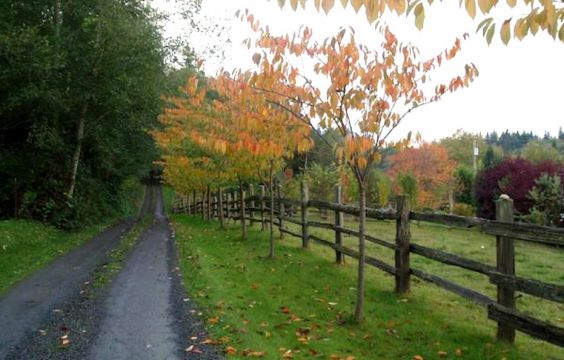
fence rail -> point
(503, 310)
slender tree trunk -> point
(359, 311)
(242, 211)
(77, 150)
(220, 208)
(271, 253)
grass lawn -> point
(26, 246)
(300, 304)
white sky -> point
(519, 87)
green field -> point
(301, 303)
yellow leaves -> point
(327, 5)
(419, 13)
(512, 3)
(356, 4)
(372, 10)
(230, 350)
(470, 7)
(485, 5)
(505, 32)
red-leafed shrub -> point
(514, 177)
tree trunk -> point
(242, 212)
(271, 253)
(220, 208)
(77, 150)
(359, 311)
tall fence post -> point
(195, 201)
(234, 206)
(251, 204)
(188, 200)
(305, 227)
(281, 210)
(228, 205)
(242, 212)
(505, 264)
(262, 207)
(220, 207)
(203, 208)
(208, 200)
(403, 238)
(339, 223)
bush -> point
(548, 198)
(514, 177)
(462, 209)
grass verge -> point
(27, 246)
(299, 305)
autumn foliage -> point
(432, 169)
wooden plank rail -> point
(370, 238)
(452, 287)
(451, 259)
(291, 233)
(354, 254)
(450, 220)
(503, 309)
(537, 328)
(526, 232)
(292, 220)
(536, 288)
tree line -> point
(80, 86)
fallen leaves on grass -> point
(252, 353)
(193, 349)
(230, 350)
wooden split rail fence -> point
(502, 310)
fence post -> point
(188, 210)
(281, 210)
(305, 227)
(203, 208)
(403, 238)
(262, 207)
(208, 200)
(220, 206)
(505, 264)
(339, 223)
(228, 205)
(242, 212)
(251, 204)
(195, 209)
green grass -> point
(27, 246)
(302, 302)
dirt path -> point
(138, 322)
(24, 307)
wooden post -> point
(262, 207)
(234, 207)
(339, 223)
(305, 227)
(188, 200)
(220, 207)
(251, 204)
(195, 201)
(203, 207)
(281, 210)
(208, 200)
(505, 265)
(403, 238)
(228, 206)
(242, 212)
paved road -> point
(26, 305)
(138, 321)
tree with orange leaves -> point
(432, 169)
(370, 92)
(240, 133)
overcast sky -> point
(519, 87)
